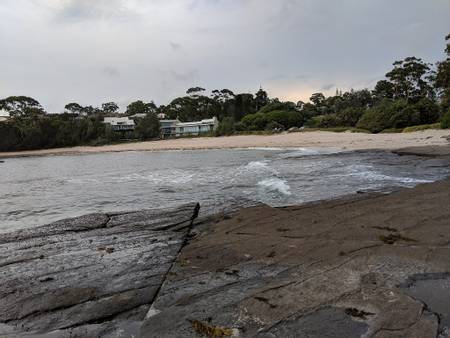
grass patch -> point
(339, 130)
(392, 131)
(422, 127)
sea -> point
(39, 190)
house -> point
(196, 128)
(168, 128)
(120, 123)
(175, 128)
(4, 115)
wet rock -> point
(88, 276)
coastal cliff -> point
(370, 265)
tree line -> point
(413, 93)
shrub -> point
(387, 115)
(226, 127)
(259, 121)
(445, 122)
(422, 127)
(323, 121)
(428, 111)
(349, 117)
(408, 116)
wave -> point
(276, 184)
(374, 176)
(301, 152)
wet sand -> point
(315, 139)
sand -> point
(316, 139)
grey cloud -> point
(110, 71)
(188, 77)
(175, 46)
(159, 48)
(328, 86)
(71, 11)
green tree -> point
(147, 127)
(74, 108)
(261, 98)
(411, 79)
(110, 107)
(140, 107)
(443, 77)
(20, 106)
(384, 90)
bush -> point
(349, 117)
(226, 127)
(422, 127)
(428, 111)
(259, 121)
(445, 122)
(323, 121)
(389, 114)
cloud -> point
(72, 11)
(159, 48)
(328, 86)
(175, 46)
(110, 71)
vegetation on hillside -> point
(414, 93)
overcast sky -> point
(94, 51)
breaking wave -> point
(276, 184)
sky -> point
(95, 51)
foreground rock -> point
(95, 275)
(376, 266)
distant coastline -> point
(314, 139)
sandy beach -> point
(315, 139)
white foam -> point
(275, 184)
(257, 165)
(300, 152)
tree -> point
(443, 77)
(140, 107)
(74, 108)
(21, 106)
(384, 90)
(195, 91)
(317, 98)
(147, 127)
(110, 107)
(411, 79)
(261, 99)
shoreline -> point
(314, 139)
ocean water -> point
(39, 190)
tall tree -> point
(74, 108)
(411, 78)
(21, 106)
(140, 107)
(261, 98)
(110, 107)
(443, 77)
(384, 90)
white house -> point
(175, 128)
(4, 115)
(196, 128)
(120, 123)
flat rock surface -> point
(89, 276)
(353, 267)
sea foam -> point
(275, 184)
